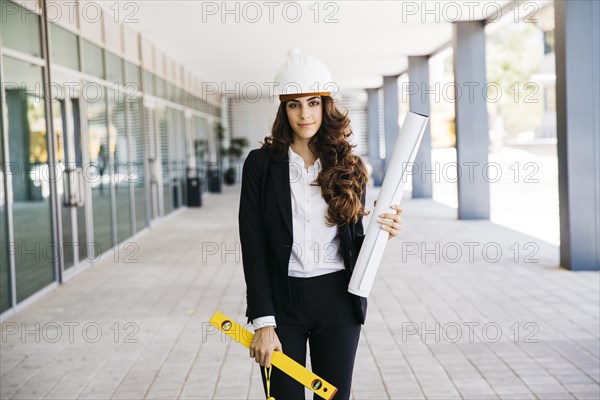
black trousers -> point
(321, 312)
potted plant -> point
(233, 152)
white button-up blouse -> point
(315, 250)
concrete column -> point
(577, 39)
(472, 134)
(390, 111)
(373, 135)
(418, 75)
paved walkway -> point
(460, 310)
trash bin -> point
(175, 193)
(194, 192)
(214, 180)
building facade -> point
(99, 132)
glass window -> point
(28, 149)
(134, 80)
(177, 155)
(149, 83)
(98, 175)
(137, 161)
(59, 115)
(122, 167)
(115, 68)
(201, 149)
(160, 87)
(178, 97)
(164, 158)
(84, 243)
(4, 270)
(20, 28)
(174, 93)
(93, 59)
(169, 92)
(64, 47)
(183, 97)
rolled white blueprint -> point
(392, 189)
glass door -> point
(71, 189)
(28, 187)
(154, 162)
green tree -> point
(514, 54)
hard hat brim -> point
(286, 97)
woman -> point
(301, 207)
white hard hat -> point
(302, 75)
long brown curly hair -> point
(343, 174)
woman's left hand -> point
(391, 222)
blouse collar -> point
(294, 157)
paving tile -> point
(435, 329)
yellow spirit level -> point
(280, 360)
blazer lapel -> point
(281, 181)
(280, 176)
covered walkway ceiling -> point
(360, 41)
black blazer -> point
(265, 228)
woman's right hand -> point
(263, 344)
